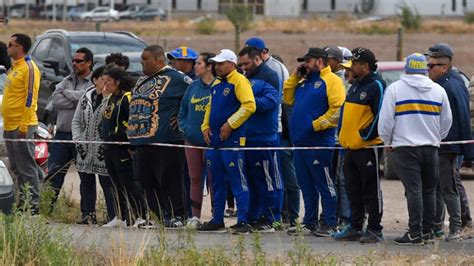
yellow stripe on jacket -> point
(416, 107)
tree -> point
(241, 17)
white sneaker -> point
(138, 222)
(116, 222)
(193, 223)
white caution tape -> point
(460, 142)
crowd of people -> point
(230, 111)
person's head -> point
(183, 58)
(416, 64)
(250, 59)
(153, 59)
(363, 62)
(118, 59)
(349, 75)
(82, 62)
(225, 62)
(440, 60)
(441, 50)
(335, 57)
(97, 79)
(315, 59)
(19, 45)
(5, 60)
(203, 67)
(260, 45)
(117, 80)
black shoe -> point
(325, 231)
(175, 223)
(304, 229)
(241, 228)
(428, 237)
(348, 234)
(210, 227)
(263, 228)
(371, 236)
(89, 219)
(410, 240)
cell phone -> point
(302, 71)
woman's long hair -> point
(126, 82)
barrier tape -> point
(229, 148)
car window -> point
(41, 51)
(390, 76)
(107, 46)
(3, 77)
(57, 52)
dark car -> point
(149, 13)
(53, 52)
(135, 67)
(131, 9)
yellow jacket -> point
(20, 98)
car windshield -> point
(107, 46)
(390, 76)
(134, 67)
(3, 77)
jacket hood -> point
(420, 82)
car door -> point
(101, 14)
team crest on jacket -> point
(317, 84)
(226, 91)
(362, 95)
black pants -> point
(161, 173)
(418, 170)
(363, 187)
(128, 194)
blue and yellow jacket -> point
(191, 113)
(115, 117)
(20, 99)
(232, 101)
(316, 100)
(359, 118)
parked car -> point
(54, 49)
(101, 13)
(3, 78)
(76, 11)
(131, 9)
(149, 13)
(135, 67)
(50, 14)
(391, 72)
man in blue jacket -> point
(440, 71)
(265, 183)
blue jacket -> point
(458, 96)
(316, 100)
(265, 73)
(262, 126)
(232, 102)
(191, 113)
(155, 100)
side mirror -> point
(54, 64)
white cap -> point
(225, 55)
(346, 54)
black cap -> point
(363, 54)
(334, 52)
(313, 52)
(440, 50)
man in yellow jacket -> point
(19, 118)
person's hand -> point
(174, 122)
(225, 131)
(207, 135)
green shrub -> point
(410, 19)
(469, 17)
(206, 26)
(240, 15)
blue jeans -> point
(89, 194)
(291, 200)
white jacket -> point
(415, 111)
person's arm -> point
(121, 131)
(73, 95)
(289, 88)
(371, 132)
(269, 100)
(183, 111)
(76, 122)
(387, 116)
(336, 95)
(31, 87)
(244, 94)
(60, 101)
(205, 128)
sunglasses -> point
(430, 65)
(78, 61)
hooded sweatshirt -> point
(415, 111)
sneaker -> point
(241, 228)
(139, 221)
(278, 226)
(116, 222)
(410, 240)
(347, 234)
(325, 231)
(438, 234)
(428, 237)
(453, 237)
(304, 229)
(229, 213)
(193, 223)
(148, 224)
(175, 223)
(210, 227)
(263, 228)
(89, 219)
(370, 236)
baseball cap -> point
(313, 52)
(225, 55)
(441, 49)
(256, 42)
(363, 54)
(346, 54)
(416, 64)
(334, 52)
(184, 53)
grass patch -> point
(206, 26)
(469, 17)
